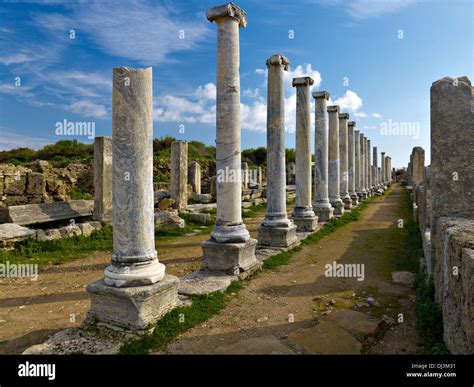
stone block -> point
(277, 236)
(11, 233)
(36, 184)
(229, 258)
(132, 308)
(306, 224)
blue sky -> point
(377, 59)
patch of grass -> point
(429, 318)
(180, 320)
(59, 251)
(78, 194)
(252, 212)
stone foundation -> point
(277, 236)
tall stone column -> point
(179, 175)
(148, 293)
(245, 175)
(369, 168)
(321, 205)
(230, 249)
(363, 166)
(103, 179)
(194, 176)
(303, 214)
(259, 177)
(376, 167)
(333, 161)
(344, 160)
(352, 163)
(358, 165)
(276, 229)
(382, 170)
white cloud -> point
(365, 9)
(260, 71)
(16, 58)
(11, 139)
(88, 109)
(360, 115)
(350, 101)
(138, 30)
(376, 115)
(299, 71)
(207, 92)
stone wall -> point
(40, 182)
(454, 281)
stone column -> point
(352, 163)
(148, 293)
(344, 160)
(303, 214)
(363, 164)
(333, 161)
(321, 205)
(291, 173)
(179, 175)
(245, 174)
(230, 249)
(358, 165)
(103, 179)
(259, 177)
(382, 170)
(194, 176)
(276, 229)
(369, 168)
(376, 168)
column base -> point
(228, 258)
(338, 206)
(132, 308)
(324, 213)
(355, 200)
(230, 234)
(347, 202)
(305, 224)
(137, 274)
(277, 236)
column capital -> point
(333, 108)
(383, 153)
(351, 123)
(344, 116)
(229, 10)
(321, 94)
(279, 60)
(357, 132)
(303, 81)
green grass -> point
(251, 212)
(68, 249)
(78, 194)
(429, 318)
(180, 320)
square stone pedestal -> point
(306, 224)
(347, 203)
(228, 258)
(323, 213)
(355, 200)
(133, 308)
(277, 236)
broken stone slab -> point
(201, 198)
(169, 219)
(201, 282)
(404, 278)
(159, 195)
(265, 345)
(28, 214)
(165, 204)
(201, 218)
(359, 325)
(70, 231)
(86, 229)
(325, 338)
(11, 233)
(201, 207)
(75, 341)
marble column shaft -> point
(344, 160)
(321, 205)
(363, 158)
(103, 179)
(369, 166)
(352, 163)
(333, 161)
(358, 162)
(229, 227)
(179, 175)
(376, 165)
(134, 259)
(303, 206)
(382, 168)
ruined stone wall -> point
(40, 182)
(454, 281)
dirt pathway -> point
(31, 311)
(290, 310)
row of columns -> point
(342, 178)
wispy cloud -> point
(365, 9)
(11, 139)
